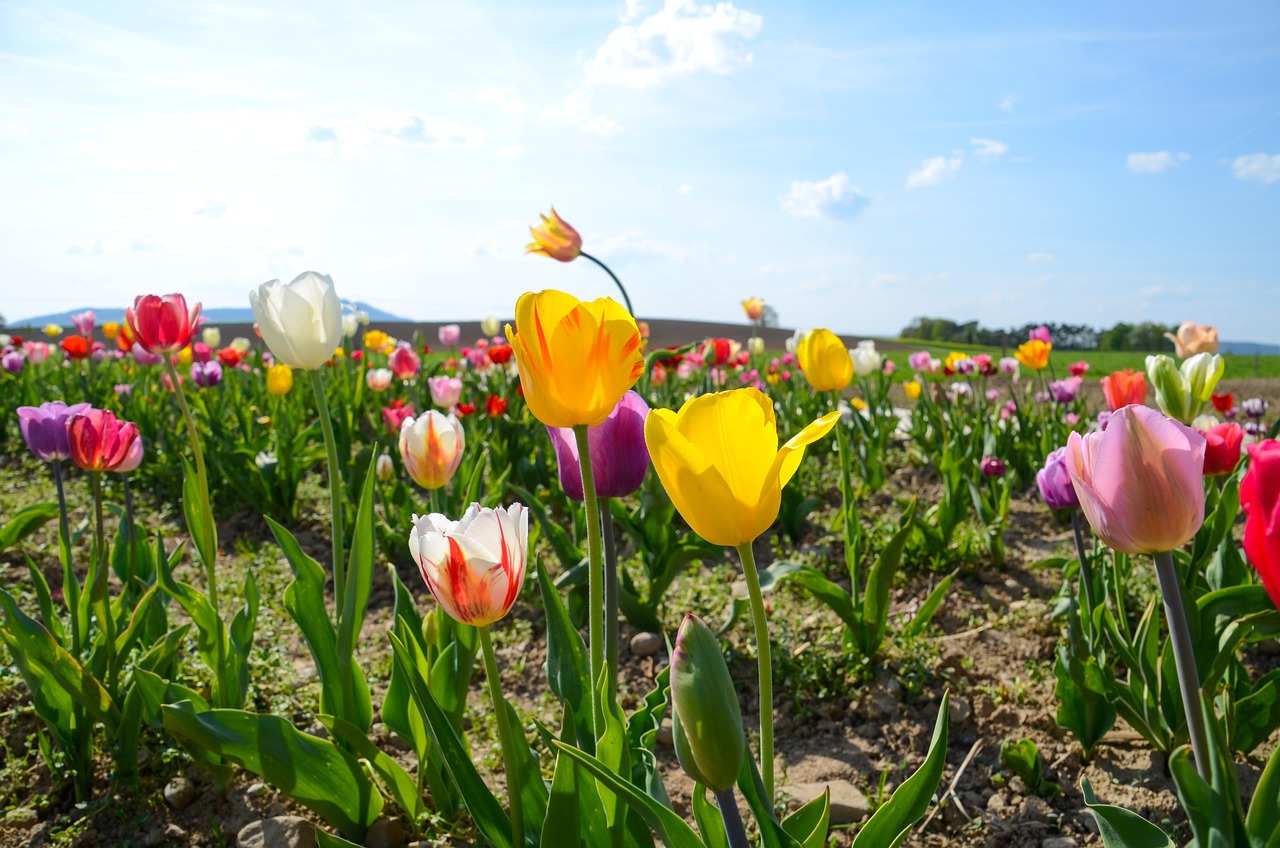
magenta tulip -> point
(619, 457)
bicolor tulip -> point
(301, 322)
(619, 457)
(1260, 498)
(162, 325)
(553, 238)
(279, 379)
(1034, 353)
(1182, 391)
(1140, 481)
(866, 359)
(576, 359)
(993, 466)
(378, 379)
(474, 567)
(404, 362)
(84, 322)
(1122, 388)
(1223, 443)
(445, 391)
(98, 441)
(1254, 407)
(825, 361)
(1193, 338)
(431, 447)
(1054, 482)
(13, 362)
(44, 428)
(719, 460)
(450, 335)
(754, 308)
(706, 721)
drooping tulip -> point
(431, 446)
(1181, 392)
(554, 238)
(706, 721)
(162, 325)
(301, 322)
(378, 379)
(1140, 481)
(754, 308)
(1223, 443)
(825, 361)
(279, 379)
(1034, 353)
(576, 359)
(1260, 498)
(474, 567)
(98, 441)
(1054, 482)
(44, 428)
(1193, 338)
(1122, 388)
(619, 457)
(719, 460)
(445, 391)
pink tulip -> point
(1140, 482)
(1042, 334)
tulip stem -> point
(1184, 658)
(505, 736)
(610, 588)
(852, 553)
(98, 594)
(1086, 571)
(733, 826)
(202, 477)
(765, 662)
(70, 583)
(595, 582)
(335, 488)
(614, 276)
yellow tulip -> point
(110, 330)
(912, 388)
(279, 379)
(555, 238)
(754, 308)
(1034, 354)
(825, 361)
(719, 460)
(858, 404)
(576, 359)
(184, 356)
(375, 340)
(52, 330)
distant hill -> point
(224, 315)
(1248, 348)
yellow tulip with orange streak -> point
(555, 238)
(754, 308)
(431, 446)
(1034, 354)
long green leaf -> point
(204, 533)
(817, 584)
(1263, 821)
(574, 815)
(356, 601)
(397, 781)
(875, 602)
(1121, 828)
(929, 608)
(25, 522)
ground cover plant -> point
(559, 586)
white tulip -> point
(755, 345)
(378, 379)
(793, 343)
(866, 360)
(211, 336)
(240, 345)
(301, 322)
(349, 324)
(490, 326)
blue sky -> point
(856, 164)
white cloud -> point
(1154, 163)
(212, 209)
(833, 198)
(1257, 166)
(684, 189)
(1039, 257)
(680, 39)
(1009, 102)
(633, 244)
(505, 98)
(601, 126)
(989, 148)
(422, 129)
(935, 170)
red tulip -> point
(495, 406)
(99, 441)
(1122, 388)
(229, 357)
(465, 409)
(404, 362)
(1222, 449)
(1260, 498)
(1078, 369)
(1224, 403)
(501, 354)
(76, 347)
(395, 414)
(162, 324)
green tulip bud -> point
(706, 720)
(1182, 392)
(1202, 372)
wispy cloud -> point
(1155, 163)
(94, 249)
(601, 126)
(505, 98)
(1039, 257)
(1259, 167)
(989, 148)
(1009, 102)
(935, 170)
(832, 198)
(634, 244)
(212, 209)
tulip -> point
(385, 469)
(1222, 449)
(1009, 365)
(44, 428)
(378, 379)
(1255, 407)
(206, 375)
(185, 356)
(84, 322)
(993, 466)
(36, 352)
(301, 322)
(1139, 481)
(1078, 369)
(13, 362)
(473, 567)
(754, 307)
(921, 360)
(1193, 338)
(755, 345)
(98, 441)
(825, 361)
(431, 446)
(912, 389)
(1260, 498)
(554, 238)
(889, 367)
(1065, 391)
(793, 343)
(110, 330)
(450, 335)
(866, 359)
(576, 359)
(445, 391)
(143, 357)
(1034, 353)
(240, 345)
(350, 325)
(1182, 391)
(706, 719)
(76, 347)
(52, 330)
(619, 457)
(500, 354)
(1223, 403)
(1054, 482)
(404, 362)
(376, 340)
(1040, 334)
(495, 406)
(490, 326)
(279, 379)
(1122, 388)
(162, 325)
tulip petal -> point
(697, 488)
(790, 454)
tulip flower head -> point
(719, 460)
(44, 428)
(576, 359)
(384, 469)
(1182, 391)
(404, 362)
(755, 346)
(279, 380)
(84, 322)
(921, 360)
(1064, 391)
(500, 354)
(866, 359)
(162, 325)
(98, 441)
(1254, 407)
(1193, 338)
(993, 466)
(206, 375)
(301, 322)
(825, 361)
(1224, 403)
(1223, 443)
(706, 719)
(445, 391)
(111, 330)
(13, 362)
(1034, 353)
(1140, 481)
(378, 379)
(1122, 388)
(52, 330)
(554, 238)
(431, 447)
(1041, 334)
(1078, 369)
(1054, 482)
(450, 335)
(619, 456)
(1260, 499)
(395, 414)
(912, 389)
(473, 567)
(754, 308)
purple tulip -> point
(45, 428)
(84, 322)
(920, 360)
(1009, 365)
(1064, 391)
(206, 375)
(619, 457)
(1054, 482)
(143, 357)
(13, 362)
(1254, 407)
(993, 466)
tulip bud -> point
(993, 466)
(825, 361)
(754, 308)
(705, 716)
(1054, 482)
(619, 457)
(755, 345)
(211, 336)
(431, 446)
(490, 326)
(554, 238)
(385, 469)
(301, 322)
(1182, 392)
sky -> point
(855, 164)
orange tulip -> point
(1193, 338)
(754, 307)
(555, 238)
(1122, 388)
(1034, 354)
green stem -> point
(335, 486)
(734, 830)
(505, 735)
(610, 588)
(612, 275)
(70, 583)
(595, 583)
(1086, 574)
(98, 592)
(761, 625)
(1185, 659)
(206, 513)
(852, 554)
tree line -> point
(1144, 336)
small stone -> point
(961, 712)
(21, 817)
(175, 834)
(1058, 842)
(179, 792)
(646, 644)
(1036, 809)
(280, 832)
(1010, 583)
(318, 729)
(400, 743)
(665, 735)
(1017, 786)
(848, 804)
(256, 790)
(738, 588)
(386, 833)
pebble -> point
(386, 833)
(179, 792)
(21, 817)
(646, 644)
(665, 735)
(848, 804)
(1036, 809)
(280, 832)
(175, 834)
(961, 712)
(400, 743)
(1058, 842)
(256, 790)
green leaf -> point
(356, 602)
(25, 522)
(817, 584)
(1121, 828)
(890, 824)
(809, 824)
(875, 601)
(567, 672)
(328, 840)
(772, 833)
(394, 778)
(204, 533)
(1263, 821)
(574, 815)
(314, 772)
(707, 816)
(929, 608)
(1257, 714)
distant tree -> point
(769, 318)
(2, 324)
